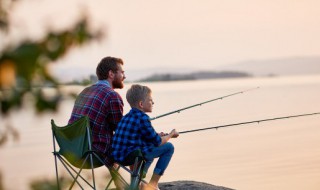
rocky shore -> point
(190, 185)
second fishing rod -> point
(205, 102)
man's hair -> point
(107, 64)
(137, 93)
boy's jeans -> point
(164, 152)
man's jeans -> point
(164, 152)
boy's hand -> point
(174, 133)
(161, 134)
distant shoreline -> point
(195, 76)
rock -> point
(189, 185)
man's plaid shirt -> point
(104, 107)
(134, 132)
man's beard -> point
(117, 83)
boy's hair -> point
(107, 64)
(137, 93)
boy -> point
(135, 131)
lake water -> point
(273, 155)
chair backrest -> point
(74, 141)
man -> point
(102, 105)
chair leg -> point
(93, 177)
(78, 174)
(55, 160)
(118, 180)
(136, 176)
(114, 173)
(110, 181)
(67, 166)
(57, 174)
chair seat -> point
(131, 158)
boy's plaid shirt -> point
(134, 131)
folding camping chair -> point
(76, 153)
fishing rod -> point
(248, 122)
(199, 104)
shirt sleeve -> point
(148, 133)
(116, 110)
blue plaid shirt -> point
(134, 131)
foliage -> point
(65, 181)
(24, 72)
(23, 69)
(24, 66)
(49, 184)
(1, 183)
(3, 15)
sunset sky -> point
(177, 35)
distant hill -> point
(268, 67)
(283, 66)
(194, 76)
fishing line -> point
(249, 122)
(199, 104)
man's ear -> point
(111, 74)
(140, 104)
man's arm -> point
(116, 111)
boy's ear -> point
(140, 104)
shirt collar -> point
(136, 110)
(104, 82)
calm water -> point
(283, 154)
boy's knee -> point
(170, 147)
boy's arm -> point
(148, 134)
(166, 138)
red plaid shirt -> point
(104, 107)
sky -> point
(175, 35)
